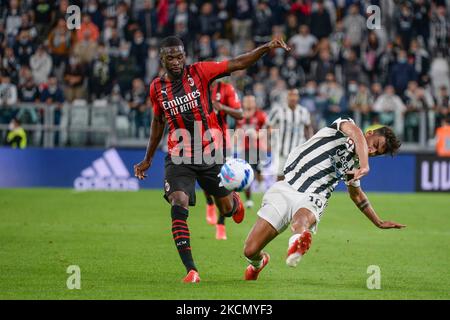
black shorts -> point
(182, 177)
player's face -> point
(249, 106)
(173, 60)
(293, 97)
(376, 144)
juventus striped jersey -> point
(186, 104)
(320, 163)
(291, 125)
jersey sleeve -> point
(212, 69)
(233, 100)
(157, 110)
(337, 123)
(263, 119)
(273, 118)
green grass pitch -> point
(122, 243)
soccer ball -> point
(236, 175)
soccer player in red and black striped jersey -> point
(182, 99)
(226, 103)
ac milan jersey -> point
(186, 105)
(226, 95)
(254, 123)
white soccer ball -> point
(236, 175)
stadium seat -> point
(78, 122)
(101, 114)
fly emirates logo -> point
(181, 104)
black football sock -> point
(221, 219)
(234, 209)
(209, 199)
(181, 236)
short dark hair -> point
(171, 41)
(392, 142)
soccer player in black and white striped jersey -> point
(313, 169)
(294, 127)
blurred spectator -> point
(10, 65)
(421, 61)
(292, 73)
(8, 99)
(242, 18)
(205, 49)
(29, 92)
(113, 44)
(440, 31)
(139, 112)
(443, 138)
(85, 49)
(417, 100)
(28, 26)
(303, 46)
(23, 48)
(43, 15)
(87, 27)
(442, 108)
(320, 21)
(262, 23)
(302, 9)
(390, 108)
(309, 101)
(94, 12)
(331, 94)
(16, 137)
(421, 25)
(153, 64)
(361, 101)
(147, 18)
(74, 76)
(13, 21)
(402, 72)
(60, 43)
(371, 51)
(404, 24)
(355, 27)
(101, 74)
(439, 73)
(41, 65)
(125, 68)
(352, 69)
(207, 23)
(323, 66)
(61, 11)
(139, 50)
(291, 27)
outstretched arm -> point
(247, 59)
(235, 113)
(362, 202)
(157, 130)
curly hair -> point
(392, 142)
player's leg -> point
(260, 235)
(221, 233)
(228, 203)
(299, 243)
(180, 193)
(211, 215)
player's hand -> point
(140, 168)
(390, 225)
(278, 43)
(357, 174)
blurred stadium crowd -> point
(390, 75)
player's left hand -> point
(278, 43)
(357, 174)
(140, 168)
(390, 225)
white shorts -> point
(281, 202)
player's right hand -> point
(391, 225)
(358, 174)
(140, 168)
(278, 43)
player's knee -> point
(225, 205)
(179, 198)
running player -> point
(181, 98)
(253, 121)
(226, 103)
(312, 171)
